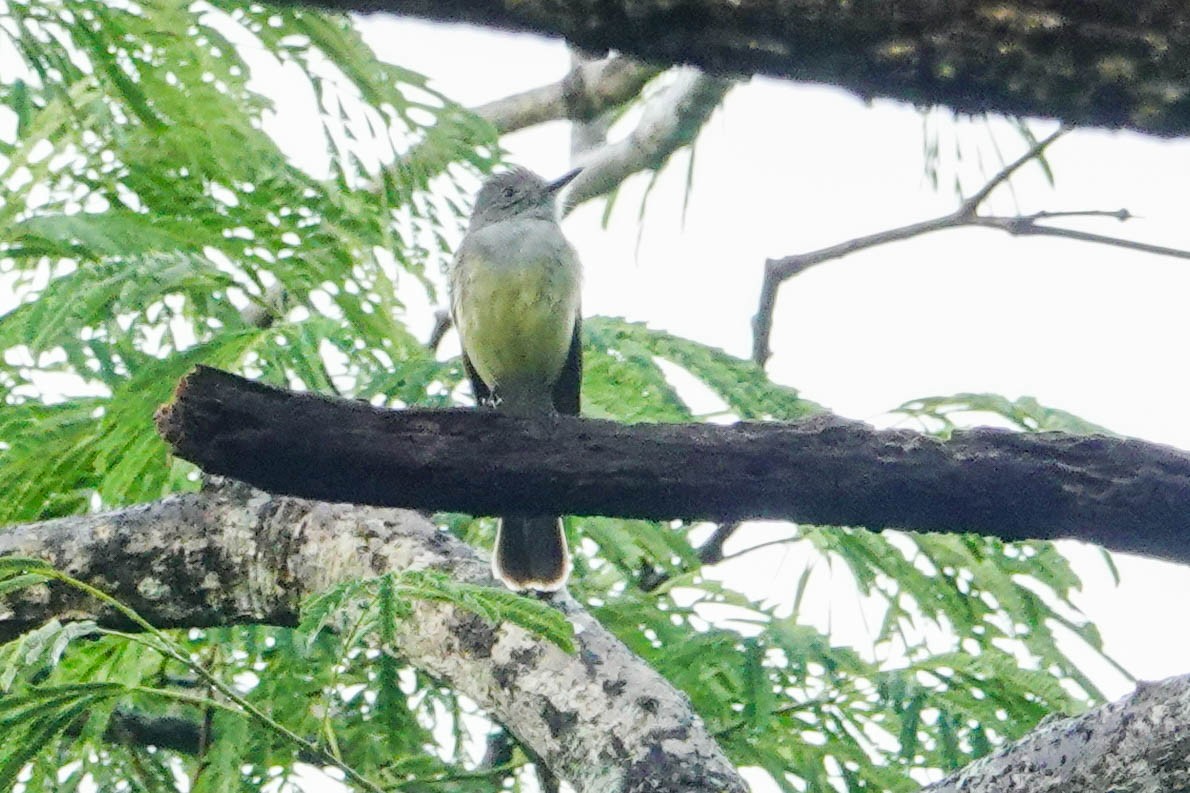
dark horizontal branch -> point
(1124, 494)
(1111, 63)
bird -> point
(515, 289)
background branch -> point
(709, 553)
(590, 133)
(589, 89)
(1124, 494)
(778, 271)
(669, 121)
(231, 555)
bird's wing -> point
(569, 383)
(483, 394)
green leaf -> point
(18, 582)
(220, 770)
(741, 384)
(492, 603)
(1027, 414)
(388, 598)
(32, 720)
(20, 565)
(35, 650)
(320, 609)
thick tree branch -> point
(591, 88)
(1141, 742)
(1124, 494)
(778, 271)
(601, 718)
(1110, 63)
(557, 704)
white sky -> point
(786, 168)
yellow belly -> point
(515, 311)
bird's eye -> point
(509, 192)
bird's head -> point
(518, 192)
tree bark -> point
(1108, 63)
(601, 718)
(1141, 742)
(1123, 494)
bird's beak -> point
(561, 182)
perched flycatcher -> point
(515, 287)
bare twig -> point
(442, 323)
(1026, 225)
(757, 547)
(709, 553)
(971, 205)
(778, 271)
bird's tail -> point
(531, 553)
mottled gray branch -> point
(1111, 63)
(669, 121)
(600, 719)
(591, 88)
(1122, 493)
(1140, 743)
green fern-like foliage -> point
(150, 224)
(150, 221)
